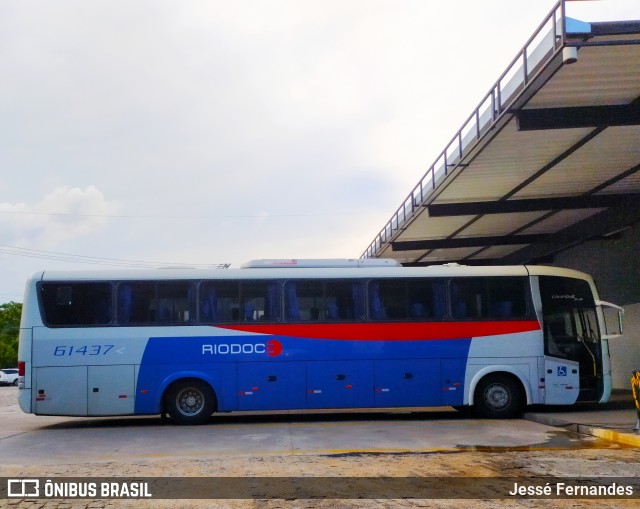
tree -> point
(10, 314)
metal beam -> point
(591, 228)
(615, 27)
(578, 116)
(567, 236)
(502, 240)
(531, 205)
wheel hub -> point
(190, 402)
(497, 396)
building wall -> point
(615, 266)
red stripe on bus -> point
(401, 331)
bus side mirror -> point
(609, 311)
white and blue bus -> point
(290, 334)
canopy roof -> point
(549, 159)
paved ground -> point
(616, 420)
(424, 444)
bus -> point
(297, 335)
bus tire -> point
(190, 401)
(498, 396)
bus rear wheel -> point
(190, 402)
(498, 397)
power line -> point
(173, 216)
(95, 260)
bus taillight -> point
(21, 372)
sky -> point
(198, 132)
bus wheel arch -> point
(189, 401)
(499, 395)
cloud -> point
(64, 214)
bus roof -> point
(448, 270)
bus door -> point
(573, 369)
(562, 381)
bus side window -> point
(388, 299)
(502, 309)
(259, 301)
(439, 291)
(239, 301)
(508, 297)
(292, 309)
(320, 300)
(427, 299)
(342, 300)
(88, 304)
(142, 303)
(418, 299)
(219, 301)
(208, 304)
(174, 302)
(468, 298)
(489, 298)
(376, 310)
(136, 303)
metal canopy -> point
(548, 160)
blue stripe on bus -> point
(218, 360)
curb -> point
(586, 429)
(611, 435)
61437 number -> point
(61, 351)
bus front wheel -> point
(498, 397)
(190, 402)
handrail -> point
(517, 75)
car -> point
(9, 376)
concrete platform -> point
(614, 421)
